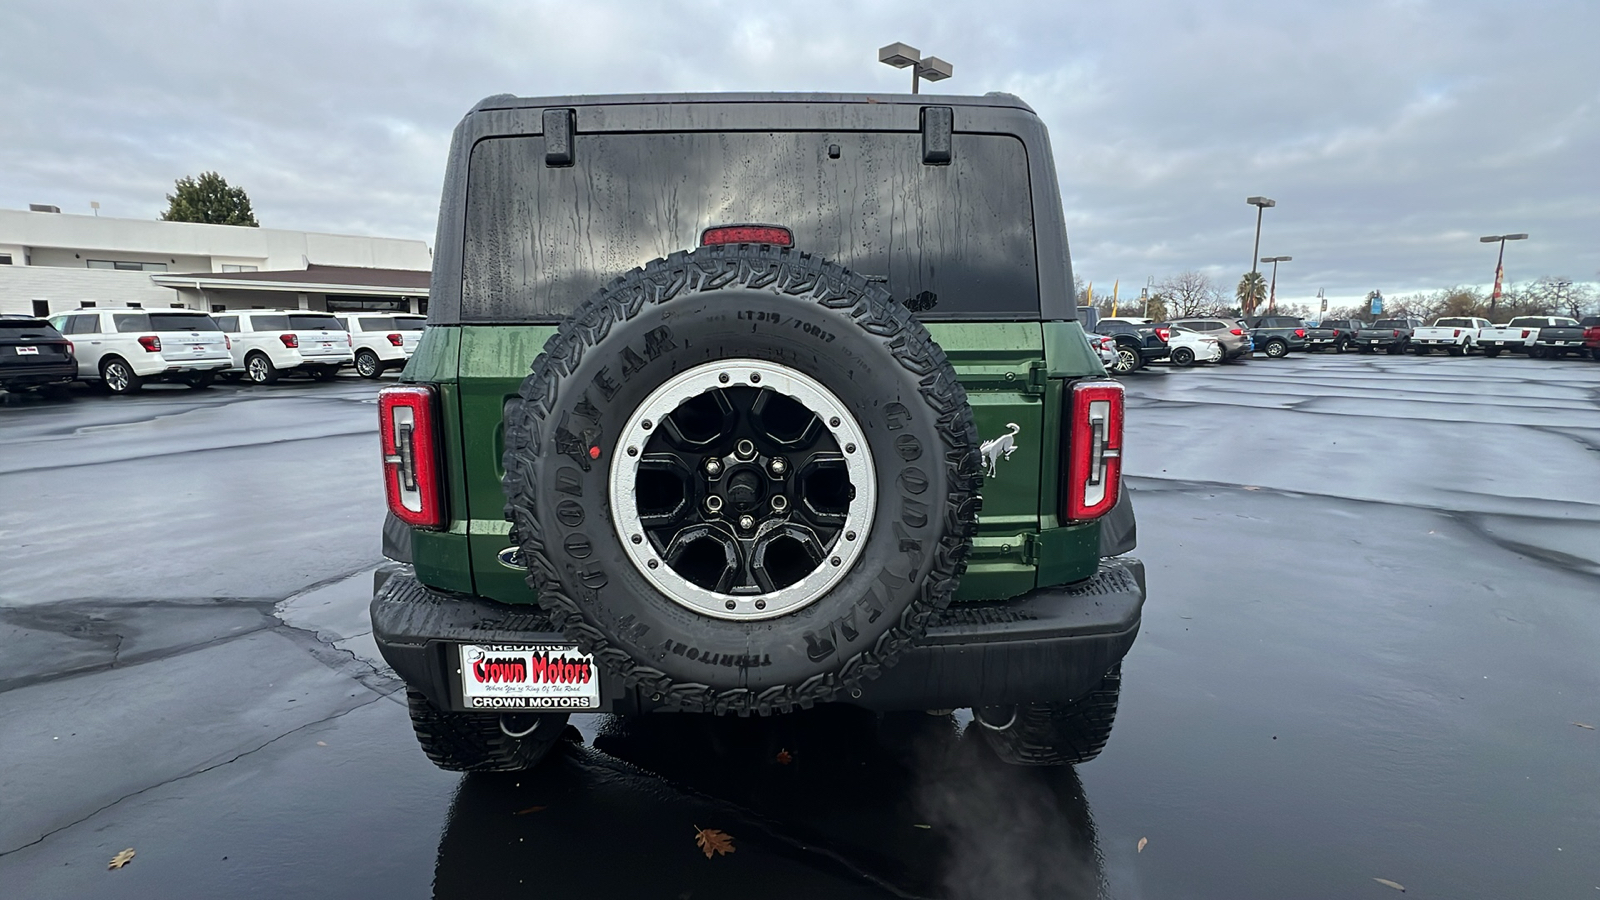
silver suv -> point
(1233, 334)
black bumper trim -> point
(1051, 644)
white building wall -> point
(66, 289)
(268, 248)
(79, 259)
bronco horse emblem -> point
(999, 448)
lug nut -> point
(714, 503)
(747, 522)
(778, 466)
(744, 449)
(779, 503)
(713, 467)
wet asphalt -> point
(1368, 653)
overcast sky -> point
(1392, 133)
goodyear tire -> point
(483, 742)
(684, 602)
(1053, 734)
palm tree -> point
(1252, 290)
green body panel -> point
(1014, 373)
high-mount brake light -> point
(150, 343)
(1094, 449)
(411, 476)
(394, 339)
(747, 234)
(290, 340)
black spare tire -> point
(743, 478)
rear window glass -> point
(1336, 323)
(953, 240)
(315, 321)
(29, 328)
(126, 322)
(409, 324)
(1391, 323)
(1590, 321)
(269, 323)
(376, 323)
(1454, 323)
(228, 323)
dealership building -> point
(51, 262)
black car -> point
(1277, 335)
(1338, 335)
(1139, 341)
(33, 354)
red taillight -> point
(150, 343)
(290, 340)
(1456, 333)
(410, 455)
(1397, 332)
(1238, 331)
(1336, 332)
(1524, 335)
(1094, 449)
(71, 350)
(394, 339)
(1164, 333)
(1299, 332)
(227, 342)
(747, 234)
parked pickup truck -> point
(1139, 341)
(1591, 336)
(1340, 334)
(1537, 336)
(1388, 335)
(1456, 334)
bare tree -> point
(1187, 294)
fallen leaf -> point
(531, 809)
(783, 758)
(121, 859)
(1387, 883)
(322, 743)
(1142, 842)
(920, 825)
(1581, 725)
(712, 841)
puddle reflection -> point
(830, 802)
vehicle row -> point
(1127, 344)
(122, 349)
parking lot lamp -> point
(1261, 204)
(930, 68)
(1499, 264)
(1272, 292)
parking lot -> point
(1368, 653)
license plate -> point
(327, 346)
(27, 351)
(528, 676)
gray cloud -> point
(1392, 132)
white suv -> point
(122, 348)
(382, 340)
(268, 343)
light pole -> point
(1499, 264)
(922, 67)
(1272, 294)
(1261, 204)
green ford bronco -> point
(809, 420)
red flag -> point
(1499, 276)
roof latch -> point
(558, 127)
(937, 122)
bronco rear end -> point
(809, 420)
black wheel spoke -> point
(701, 422)
(664, 491)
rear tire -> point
(260, 370)
(1183, 356)
(1421, 350)
(1053, 734)
(199, 381)
(1365, 348)
(476, 742)
(368, 364)
(1396, 349)
(1277, 349)
(118, 377)
(1536, 353)
(1491, 352)
(326, 373)
(1458, 351)
(1127, 360)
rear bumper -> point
(1052, 644)
(49, 373)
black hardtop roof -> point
(511, 101)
